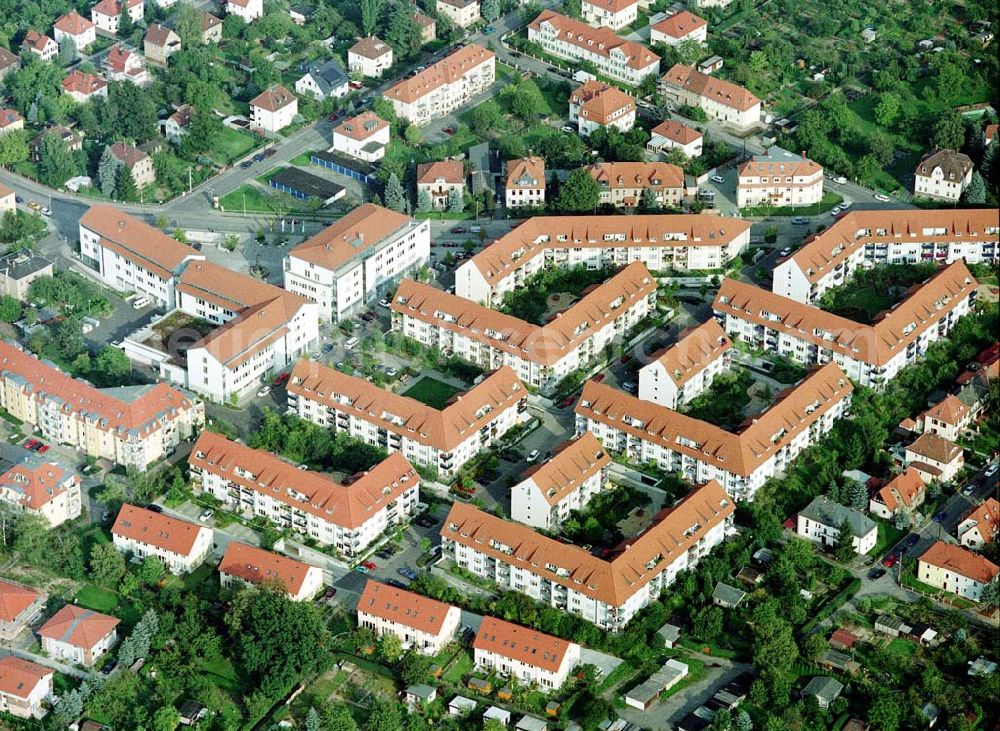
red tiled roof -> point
(680, 25)
(987, 519)
(573, 463)
(9, 117)
(78, 627)
(128, 155)
(73, 23)
(155, 529)
(446, 71)
(256, 565)
(694, 350)
(137, 241)
(14, 599)
(273, 98)
(36, 485)
(720, 91)
(77, 82)
(677, 132)
(451, 171)
(948, 410)
(903, 488)
(112, 8)
(960, 561)
(403, 607)
(601, 41)
(521, 644)
(18, 677)
(601, 102)
(36, 41)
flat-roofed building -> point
(24, 686)
(618, 59)
(421, 623)
(181, 546)
(78, 636)
(42, 487)
(660, 242)
(700, 451)
(347, 517)
(526, 655)
(244, 565)
(862, 239)
(357, 259)
(722, 101)
(688, 367)
(444, 86)
(613, 14)
(779, 179)
(633, 184)
(541, 355)
(442, 440)
(132, 426)
(577, 471)
(871, 354)
(605, 591)
(956, 569)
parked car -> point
(876, 574)
(991, 470)
(259, 157)
(568, 128)
(270, 151)
(890, 561)
(448, 131)
(154, 508)
(939, 516)
(457, 230)
(717, 179)
(206, 515)
(912, 539)
(533, 455)
(396, 583)
(392, 372)
(43, 448)
(599, 377)
(45, 211)
(407, 573)
(36, 207)
(840, 180)
(31, 444)
(785, 252)
(630, 387)
(424, 522)
(282, 379)
(487, 30)
(361, 570)
(263, 391)
(383, 303)
(327, 348)
(370, 565)
(333, 117)
(246, 164)
(800, 221)
(882, 197)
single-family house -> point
(249, 10)
(462, 13)
(78, 636)
(274, 108)
(613, 14)
(137, 162)
(981, 526)
(369, 57)
(904, 493)
(211, 28)
(39, 44)
(948, 418)
(525, 183)
(324, 81)
(934, 457)
(160, 44)
(74, 26)
(19, 606)
(822, 519)
(106, 14)
(942, 175)
(365, 137)
(679, 27)
(10, 121)
(81, 86)
(674, 135)
(956, 569)
(23, 687)
(441, 180)
(596, 104)
(176, 125)
(123, 65)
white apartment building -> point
(948, 418)
(44, 488)
(548, 492)
(942, 175)
(672, 135)
(462, 13)
(525, 183)
(679, 27)
(596, 105)
(688, 367)
(365, 137)
(700, 451)
(181, 546)
(613, 14)
(78, 636)
(981, 526)
(348, 518)
(605, 591)
(131, 256)
(132, 426)
(870, 354)
(721, 100)
(357, 259)
(660, 242)
(421, 623)
(249, 10)
(541, 355)
(779, 179)
(526, 655)
(629, 184)
(106, 14)
(24, 686)
(625, 61)
(273, 109)
(821, 520)
(75, 27)
(956, 569)
(369, 57)
(862, 239)
(441, 440)
(444, 86)
(244, 565)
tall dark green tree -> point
(579, 194)
(125, 188)
(107, 172)
(56, 163)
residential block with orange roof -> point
(688, 367)
(24, 686)
(180, 545)
(701, 451)
(19, 607)
(956, 569)
(870, 238)
(870, 354)
(78, 636)
(421, 623)
(779, 179)
(442, 440)
(577, 471)
(721, 100)
(541, 355)
(244, 565)
(613, 14)
(348, 517)
(605, 591)
(357, 259)
(631, 184)
(444, 86)
(596, 105)
(948, 418)
(526, 655)
(660, 242)
(42, 487)
(981, 526)
(679, 27)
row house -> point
(633, 184)
(42, 487)
(687, 368)
(357, 259)
(863, 239)
(78, 636)
(699, 451)
(444, 86)
(541, 355)
(903, 494)
(618, 59)
(369, 57)
(822, 520)
(349, 518)
(872, 355)
(107, 14)
(680, 27)
(421, 623)
(131, 427)
(75, 27)
(956, 570)
(576, 472)
(181, 546)
(942, 175)
(524, 185)
(723, 101)
(462, 13)
(613, 14)
(595, 105)
(526, 655)
(365, 137)
(981, 526)
(19, 608)
(244, 565)
(24, 686)
(779, 179)
(440, 439)
(674, 135)
(662, 242)
(607, 592)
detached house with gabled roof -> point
(325, 81)
(822, 519)
(81, 87)
(462, 13)
(78, 636)
(525, 183)
(956, 569)
(673, 135)
(123, 65)
(40, 45)
(779, 179)
(24, 685)
(948, 418)
(934, 457)
(370, 57)
(365, 137)
(244, 565)
(181, 546)
(19, 606)
(529, 656)
(596, 104)
(439, 179)
(160, 44)
(421, 623)
(137, 162)
(10, 121)
(568, 481)
(348, 517)
(981, 526)
(106, 14)
(273, 109)
(721, 100)
(904, 493)
(75, 27)
(613, 14)
(942, 175)
(679, 27)
(44, 488)
(248, 10)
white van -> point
(139, 302)
(351, 343)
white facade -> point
(526, 672)
(275, 113)
(956, 569)
(658, 385)
(107, 14)
(249, 10)
(939, 186)
(25, 702)
(175, 562)
(613, 14)
(370, 148)
(721, 100)
(462, 13)
(779, 182)
(71, 654)
(692, 145)
(370, 57)
(46, 490)
(419, 622)
(445, 86)
(827, 535)
(86, 35)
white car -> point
(392, 372)
(383, 303)
(139, 302)
(534, 455)
(991, 470)
(630, 387)
(45, 212)
(785, 252)
(567, 128)
(845, 204)
(883, 198)
(264, 391)
(840, 180)
(717, 179)
(206, 515)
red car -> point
(890, 561)
(370, 565)
(333, 117)
(567, 401)
(598, 378)
(625, 358)
(43, 448)
(448, 131)
(31, 444)
(282, 379)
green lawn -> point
(829, 201)
(432, 392)
(246, 198)
(96, 598)
(460, 668)
(221, 672)
(901, 648)
(232, 145)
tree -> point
(385, 716)
(202, 135)
(843, 549)
(976, 192)
(424, 200)
(107, 565)
(188, 25)
(579, 193)
(743, 722)
(125, 23)
(10, 308)
(107, 172)
(130, 111)
(112, 364)
(150, 571)
(887, 109)
(708, 623)
(125, 188)
(456, 201)
(166, 718)
(572, 8)
(886, 711)
(370, 11)
(337, 717)
(56, 163)
(313, 721)
(948, 131)
(490, 10)
(13, 147)
(390, 648)
(67, 51)
(990, 596)
(486, 118)
(395, 197)
(403, 33)
(758, 62)
(526, 100)
(68, 707)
